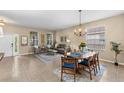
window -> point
(34, 38)
(49, 39)
(96, 38)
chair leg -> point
(81, 69)
(61, 74)
(94, 71)
(74, 78)
(74, 75)
(96, 68)
(98, 65)
(90, 73)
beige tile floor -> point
(30, 69)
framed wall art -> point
(24, 40)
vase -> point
(82, 48)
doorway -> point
(9, 44)
(15, 44)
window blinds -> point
(96, 38)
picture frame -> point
(24, 40)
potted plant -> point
(82, 45)
(115, 48)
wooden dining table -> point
(81, 55)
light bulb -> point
(79, 29)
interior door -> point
(6, 45)
(15, 44)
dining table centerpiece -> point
(82, 45)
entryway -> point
(9, 44)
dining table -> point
(81, 55)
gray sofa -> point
(61, 48)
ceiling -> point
(53, 19)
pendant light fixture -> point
(79, 31)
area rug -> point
(84, 77)
(48, 58)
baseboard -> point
(111, 61)
(25, 54)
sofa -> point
(61, 48)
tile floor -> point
(30, 69)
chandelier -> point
(79, 31)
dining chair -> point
(75, 51)
(78, 51)
(68, 66)
(65, 53)
(89, 64)
(1, 56)
(97, 60)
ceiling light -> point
(79, 31)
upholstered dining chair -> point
(1, 56)
(68, 66)
(90, 64)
